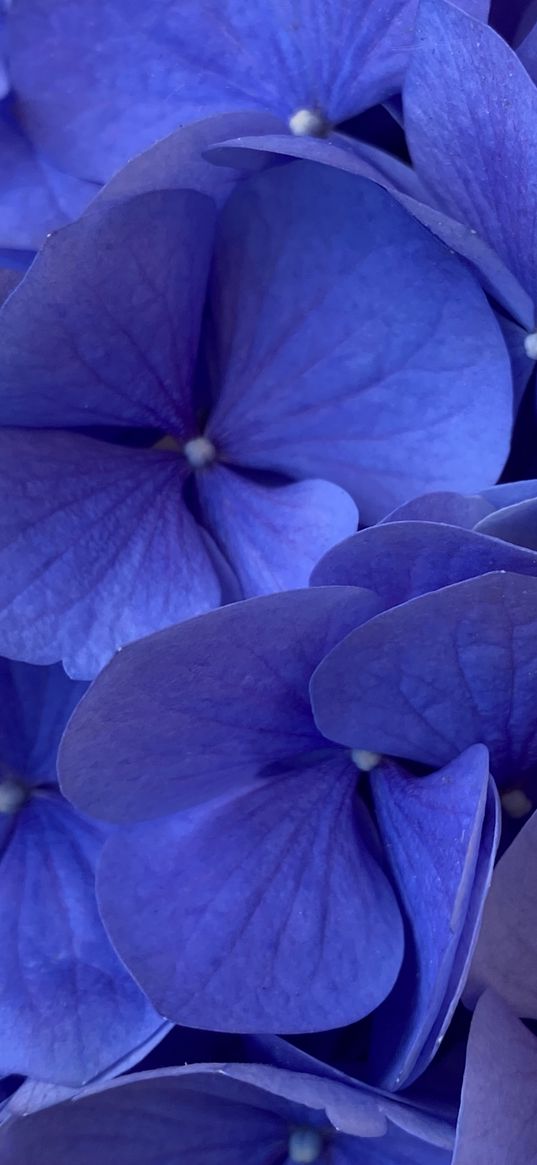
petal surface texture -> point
(97, 548)
(112, 77)
(436, 674)
(275, 889)
(470, 108)
(274, 536)
(327, 358)
(229, 697)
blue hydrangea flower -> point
(298, 343)
(228, 1113)
(68, 1009)
(97, 81)
(276, 880)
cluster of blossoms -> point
(268, 582)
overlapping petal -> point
(470, 108)
(68, 1008)
(440, 834)
(327, 358)
(93, 99)
(446, 670)
(295, 908)
(229, 697)
(401, 560)
(96, 548)
(273, 535)
(104, 328)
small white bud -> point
(305, 1146)
(308, 123)
(365, 760)
(530, 345)
(199, 452)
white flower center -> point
(13, 795)
(308, 123)
(305, 1146)
(365, 760)
(530, 345)
(199, 452)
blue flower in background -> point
(68, 1009)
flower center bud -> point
(530, 345)
(515, 803)
(199, 452)
(13, 795)
(365, 760)
(305, 1146)
(308, 123)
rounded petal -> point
(327, 299)
(273, 536)
(266, 913)
(96, 548)
(439, 673)
(229, 700)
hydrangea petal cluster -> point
(268, 480)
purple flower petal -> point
(229, 699)
(498, 1119)
(434, 834)
(276, 890)
(92, 101)
(439, 673)
(218, 1113)
(470, 109)
(340, 316)
(400, 560)
(84, 543)
(495, 276)
(451, 508)
(514, 524)
(68, 1008)
(104, 328)
(506, 953)
(34, 198)
(273, 536)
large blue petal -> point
(323, 344)
(229, 703)
(275, 890)
(92, 100)
(104, 328)
(96, 548)
(439, 673)
(400, 560)
(470, 109)
(515, 524)
(274, 536)
(433, 832)
(497, 279)
(498, 1117)
(68, 1008)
